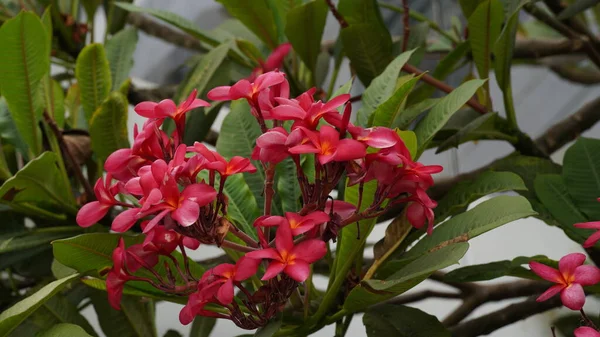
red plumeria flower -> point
(298, 224)
(167, 108)
(197, 301)
(215, 161)
(273, 62)
(421, 174)
(569, 278)
(308, 113)
(271, 146)
(292, 260)
(229, 274)
(592, 239)
(164, 241)
(93, 211)
(246, 89)
(342, 208)
(586, 331)
(377, 137)
(328, 146)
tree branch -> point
(495, 320)
(166, 33)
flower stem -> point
(587, 319)
(235, 246)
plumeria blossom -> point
(246, 89)
(570, 278)
(271, 146)
(227, 274)
(293, 260)
(92, 212)
(298, 224)
(592, 239)
(164, 241)
(586, 331)
(307, 113)
(328, 146)
(377, 137)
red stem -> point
(406, 21)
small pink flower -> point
(377, 137)
(569, 278)
(328, 146)
(214, 161)
(197, 301)
(307, 113)
(246, 89)
(592, 239)
(271, 146)
(293, 260)
(586, 331)
(298, 224)
(229, 274)
(273, 62)
(164, 241)
(93, 211)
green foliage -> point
(287, 186)
(381, 89)
(577, 7)
(12, 317)
(55, 100)
(493, 270)
(257, 16)
(134, 319)
(242, 205)
(388, 111)
(35, 238)
(108, 126)
(202, 326)
(65, 329)
(93, 77)
(24, 61)
(304, 28)
(485, 24)
(119, 53)
(366, 40)
(402, 321)
(582, 175)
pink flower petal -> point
(275, 60)
(91, 213)
(190, 243)
(165, 108)
(152, 223)
(125, 220)
(117, 160)
(274, 269)
(591, 224)
(284, 240)
(303, 149)
(288, 112)
(551, 292)
(268, 253)
(145, 109)
(299, 270)
(545, 272)
(225, 293)
(219, 94)
(336, 102)
(242, 89)
(592, 240)
(245, 268)
(202, 194)
(586, 275)
(187, 213)
(114, 288)
(573, 297)
(188, 101)
(348, 149)
(310, 250)
(268, 79)
(568, 263)
(586, 331)
(197, 103)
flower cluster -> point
(176, 192)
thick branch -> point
(138, 95)
(513, 313)
(534, 48)
(166, 33)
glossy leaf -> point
(443, 110)
(581, 172)
(55, 100)
(13, 316)
(503, 50)
(40, 181)
(288, 187)
(469, 6)
(485, 24)
(8, 130)
(408, 115)
(174, 19)
(551, 190)
(242, 205)
(381, 89)
(464, 193)
(108, 126)
(255, 15)
(65, 329)
(527, 168)
(93, 76)
(367, 41)
(402, 321)
(577, 7)
(35, 238)
(486, 126)
(374, 291)
(484, 217)
(493, 270)
(202, 326)
(24, 61)
(388, 111)
(132, 320)
(304, 29)
(119, 53)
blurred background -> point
(539, 94)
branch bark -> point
(165, 33)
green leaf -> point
(270, 329)
(493, 270)
(132, 320)
(373, 291)
(381, 89)
(35, 238)
(503, 50)
(486, 126)
(172, 333)
(8, 130)
(242, 205)
(582, 175)
(202, 73)
(174, 19)
(551, 190)
(119, 52)
(93, 76)
(367, 41)
(108, 126)
(288, 187)
(464, 193)
(527, 168)
(46, 19)
(116, 16)
(395, 233)
(255, 15)
(40, 181)
(578, 6)
(443, 110)
(65, 329)
(409, 114)
(484, 217)
(280, 11)
(304, 29)
(469, 6)
(24, 61)
(202, 326)
(410, 140)
(344, 89)
(238, 134)
(388, 111)
(401, 321)
(13, 316)
(484, 28)
(55, 100)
